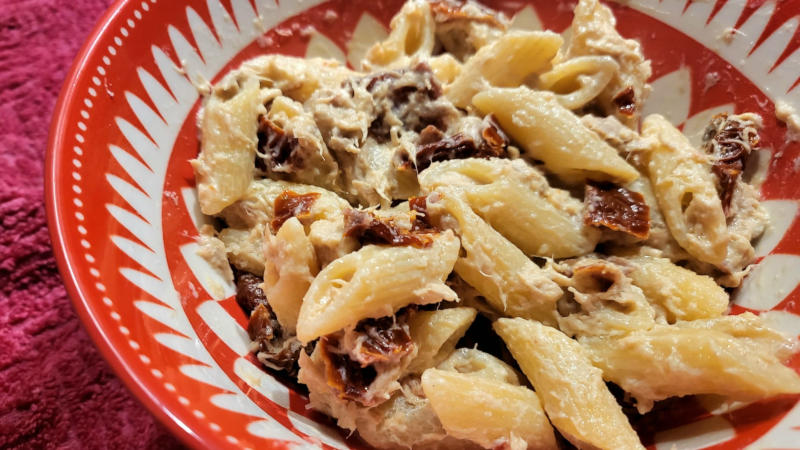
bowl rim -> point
(80, 303)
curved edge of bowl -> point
(57, 236)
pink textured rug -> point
(55, 389)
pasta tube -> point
(413, 34)
(579, 80)
(669, 361)
(512, 284)
(487, 411)
(681, 293)
(224, 167)
(375, 282)
(551, 133)
(572, 391)
(290, 267)
(506, 62)
(686, 193)
(516, 200)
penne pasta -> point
(481, 364)
(412, 36)
(572, 391)
(570, 150)
(374, 282)
(577, 81)
(487, 412)
(290, 267)
(445, 67)
(686, 193)
(593, 33)
(436, 333)
(224, 167)
(681, 293)
(516, 200)
(687, 359)
(512, 284)
(506, 62)
(748, 327)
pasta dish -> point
(476, 240)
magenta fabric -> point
(56, 391)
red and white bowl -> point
(124, 216)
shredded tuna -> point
(412, 94)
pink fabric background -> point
(56, 391)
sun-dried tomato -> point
(290, 204)
(262, 325)
(493, 135)
(421, 221)
(446, 11)
(401, 88)
(729, 145)
(493, 144)
(625, 101)
(378, 342)
(346, 376)
(727, 173)
(276, 144)
(248, 292)
(385, 338)
(617, 208)
(457, 146)
(368, 228)
(276, 349)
